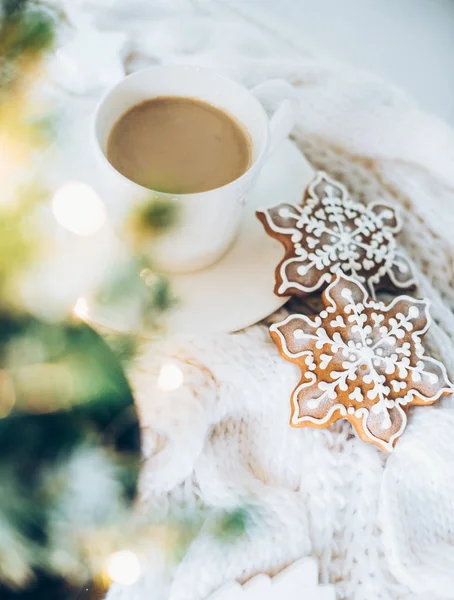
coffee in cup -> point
(179, 145)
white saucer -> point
(237, 291)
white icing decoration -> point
(379, 357)
(325, 359)
(346, 293)
(413, 312)
(365, 249)
(338, 322)
(356, 395)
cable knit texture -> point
(381, 528)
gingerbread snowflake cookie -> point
(331, 231)
(361, 360)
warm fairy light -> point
(148, 277)
(81, 308)
(123, 567)
(78, 208)
(170, 377)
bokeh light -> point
(148, 277)
(123, 567)
(170, 377)
(78, 208)
(81, 308)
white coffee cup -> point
(207, 221)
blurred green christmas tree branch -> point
(27, 32)
(69, 434)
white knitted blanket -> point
(381, 528)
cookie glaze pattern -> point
(331, 231)
(361, 360)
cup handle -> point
(280, 95)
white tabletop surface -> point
(408, 42)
